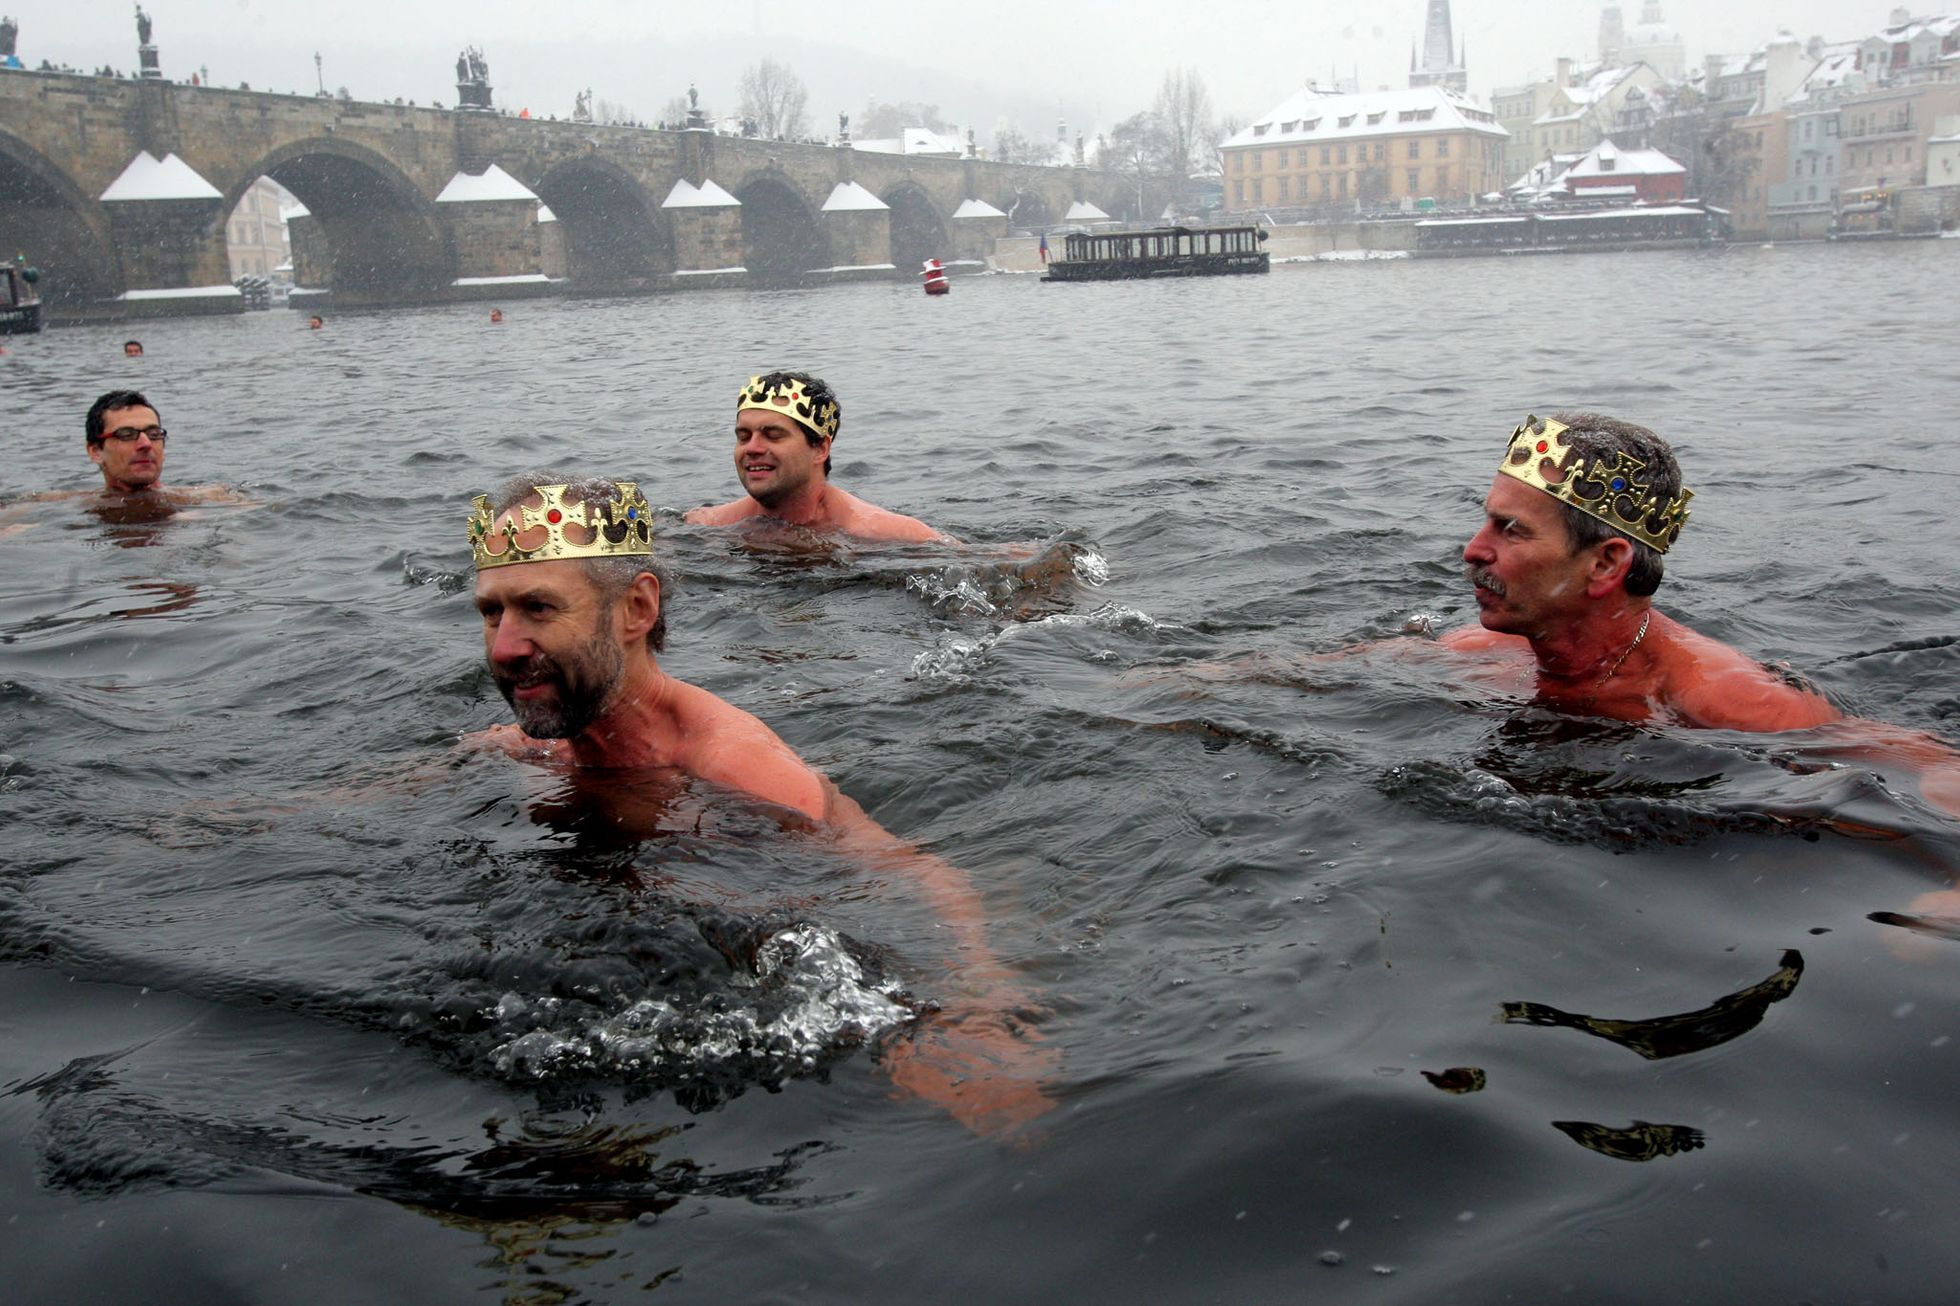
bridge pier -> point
(707, 225)
(858, 226)
(173, 258)
(491, 222)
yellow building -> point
(1363, 151)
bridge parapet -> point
(371, 175)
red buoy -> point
(935, 275)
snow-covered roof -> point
(1084, 211)
(150, 178)
(1663, 210)
(545, 214)
(686, 195)
(1609, 160)
(977, 209)
(913, 140)
(492, 184)
(849, 196)
(1312, 116)
(287, 212)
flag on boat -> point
(1044, 247)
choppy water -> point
(1366, 988)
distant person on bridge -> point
(785, 423)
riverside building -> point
(1373, 150)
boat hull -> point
(1196, 265)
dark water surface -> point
(299, 1003)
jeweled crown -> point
(620, 527)
(791, 400)
(1541, 457)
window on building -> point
(1348, 121)
(1381, 151)
(1326, 185)
(1259, 191)
(1326, 155)
(1415, 149)
(1282, 158)
(1258, 160)
(1374, 119)
(1344, 185)
(1340, 154)
(1285, 187)
(1238, 192)
(1259, 130)
(1414, 184)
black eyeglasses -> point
(128, 434)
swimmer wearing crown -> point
(574, 613)
(785, 423)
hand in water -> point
(980, 1064)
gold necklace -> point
(1619, 662)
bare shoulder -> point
(722, 514)
(201, 494)
(1475, 639)
(734, 748)
(1711, 684)
(869, 521)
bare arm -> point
(976, 1058)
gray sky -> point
(1014, 59)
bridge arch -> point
(918, 227)
(614, 237)
(385, 241)
(60, 229)
(782, 235)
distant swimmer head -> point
(315, 322)
(132, 348)
(804, 399)
(496, 315)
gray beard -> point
(585, 688)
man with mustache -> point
(1577, 521)
(785, 423)
(573, 608)
(1565, 566)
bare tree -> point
(1139, 148)
(612, 114)
(880, 121)
(1012, 145)
(673, 113)
(1187, 133)
(774, 99)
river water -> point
(1364, 986)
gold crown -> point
(620, 528)
(1541, 457)
(790, 399)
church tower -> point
(1441, 63)
(1612, 36)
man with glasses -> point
(125, 439)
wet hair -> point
(1594, 436)
(128, 343)
(817, 391)
(92, 424)
(612, 577)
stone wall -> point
(1925, 209)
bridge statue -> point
(142, 26)
(9, 33)
(462, 68)
(472, 79)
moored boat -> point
(1160, 252)
(20, 303)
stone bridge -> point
(418, 204)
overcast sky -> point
(1091, 64)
